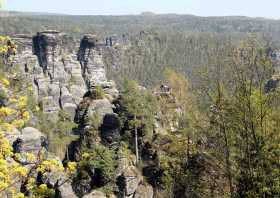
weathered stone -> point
(101, 107)
(66, 191)
(70, 108)
(132, 180)
(32, 139)
(90, 58)
(49, 105)
(95, 194)
(144, 191)
(65, 96)
(77, 93)
(42, 85)
(12, 135)
(54, 91)
(60, 77)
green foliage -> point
(103, 160)
(241, 121)
(3, 95)
(224, 112)
(91, 135)
(125, 152)
(58, 132)
(140, 107)
(94, 120)
(32, 104)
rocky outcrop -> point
(52, 69)
(66, 190)
(92, 65)
(131, 184)
(60, 71)
(90, 58)
(29, 140)
(70, 77)
(33, 140)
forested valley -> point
(139, 106)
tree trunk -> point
(136, 142)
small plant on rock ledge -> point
(97, 93)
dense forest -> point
(197, 115)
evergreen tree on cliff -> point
(140, 108)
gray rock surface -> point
(67, 191)
(32, 139)
(95, 194)
(144, 191)
(101, 107)
(131, 180)
(60, 72)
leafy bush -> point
(3, 95)
(103, 161)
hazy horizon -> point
(250, 8)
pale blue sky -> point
(254, 8)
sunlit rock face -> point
(61, 71)
(90, 58)
(69, 75)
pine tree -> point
(140, 108)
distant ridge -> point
(8, 13)
(5, 13)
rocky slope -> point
(69, 75)
(66, 74)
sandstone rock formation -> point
(60, 72)
(65, 75)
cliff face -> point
(67, 75)
(62, 72)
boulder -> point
(66, 191)
(32, 140)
